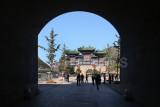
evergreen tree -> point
(63, 57)
(111, 56)
(51, 48)
(61, 67)
(109, 52)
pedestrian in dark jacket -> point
(68, 77)
(98, 80)
(109, 78)
(112, 77)
(82, 78)
(78, 80)
(86, 78)
(104, 76)
(93, 77)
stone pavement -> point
(115, 87)
(71, 95)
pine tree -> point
(63, 57)
(51, 48)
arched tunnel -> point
(136, 22)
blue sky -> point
(77, 29)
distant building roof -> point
(92, 55)
(86, 48)
(79, 56)
(100, 52)
(72, 52)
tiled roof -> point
(92, 55)
(70, 52)
(86, 48)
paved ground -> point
(70, 95)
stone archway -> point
(138, 29)
(89, 71)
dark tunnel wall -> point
(136, 22)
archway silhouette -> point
(138, 30)
(76, 29)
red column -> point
(107, 67)
(94, 66)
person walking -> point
(86, 78)
(78, 80)
(82, 78)
(104, 76)
(112, 77)
(109, 78)
(116, 77)
(68, 77)
(93, 77)
(97, 81)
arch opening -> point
(79, 29)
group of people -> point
(96, 78)
(80, 78)
(112, 78)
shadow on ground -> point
(71, 95)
